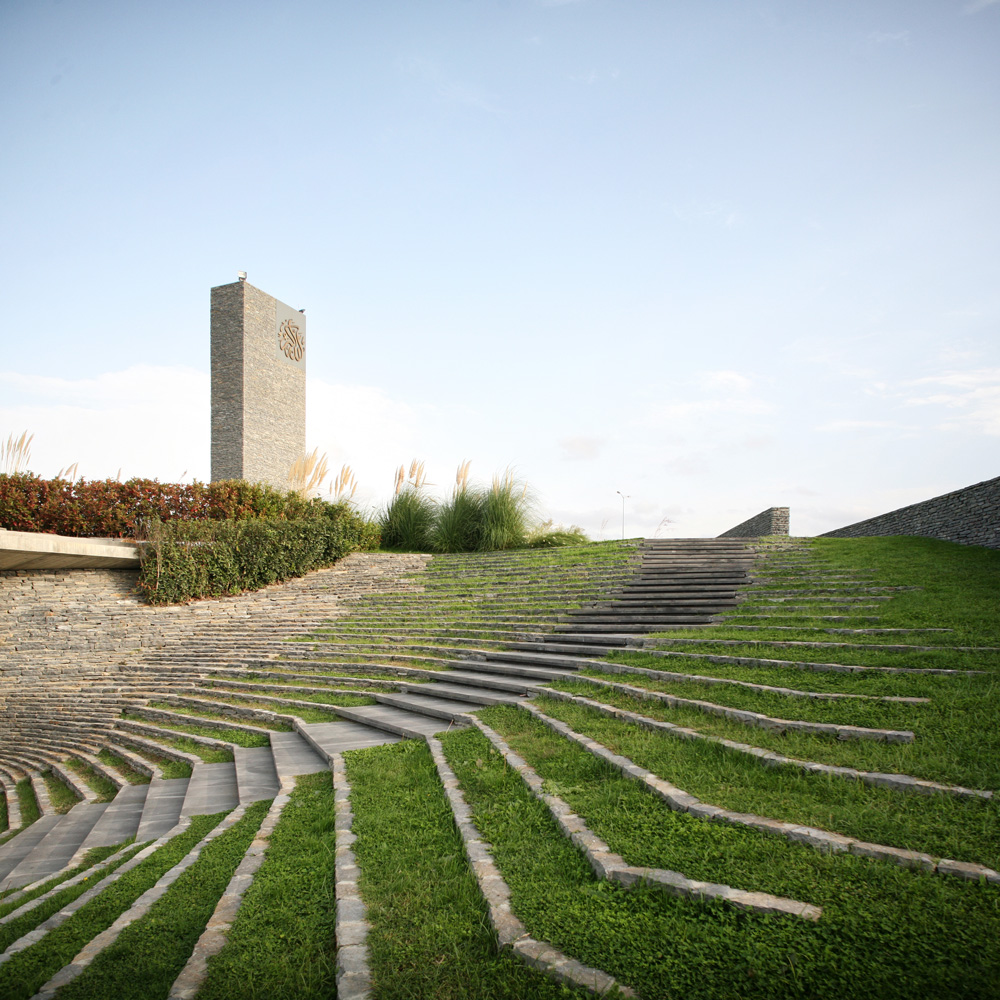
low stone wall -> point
(773, 521)
(969, 516)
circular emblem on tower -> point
(291, 340)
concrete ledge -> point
(36, 550)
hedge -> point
(185, 560)
(110, 509)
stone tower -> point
(258, 385)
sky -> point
(708, 257)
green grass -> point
(204, 713)
(103, 787)
(61, 796)
(236, 736)
(94, 856)
(28, 803)
(885, 932)
(149, 954)
(430, 933)
(28, 970)
(119, 764)
(281, 944)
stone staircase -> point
(386, 648)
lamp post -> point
(624, 498)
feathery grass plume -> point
(459, 523)
(407, 521)
(307, 474)
(507, 508)
(15, 453)
(69, 472)
(549, 535)
(343, 488)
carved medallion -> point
(291, 340)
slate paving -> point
(162, 809)
(256, 775)
(293, 756)
(120, 820)
(211, 788)
(15, 851)
(54, 851)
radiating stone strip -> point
(668, 675)
(761, 721)
(95, 890)
(511, 933)
(822, 840)
(216, 932)
(354, 980)
(608, 865)
(899, 782)
(136, 911)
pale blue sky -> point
(718, 256)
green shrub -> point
(110, 509)
(184, 560)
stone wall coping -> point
(39, 550)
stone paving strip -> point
(216, 933)
(136, 911)
(511, 933)
(821, 840)
(613, 867)
(842, 668)
(899, 782)
(60, 917)
(645, 642)
(83, 876)
(758, 719)
(13, 802)
(667, 675)
(133, 760)
(354, 980)
(182, 719)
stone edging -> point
(611, 866)
(669, 675)
(61, 916)
(354, 980)
(511, 933)
(216, 933)
(136, 911)
(821, 840)
(898, 782)
(758, 719)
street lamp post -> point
(624, 498)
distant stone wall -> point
(969, 516)
(773, 521)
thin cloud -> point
(977, 5)
(576, 449)
(449, 90)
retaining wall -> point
(773, 521)
(969, 516)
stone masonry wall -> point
(258, 392)
(75, 645)
(969, 516)
(773, 521)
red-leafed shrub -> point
(110, 509)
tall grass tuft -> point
(459, 523)
(307, 474)
(407, 522)
(15, 453)
(507, 508)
